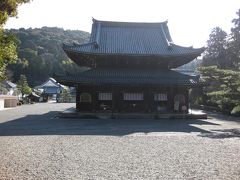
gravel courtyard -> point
(36, 144)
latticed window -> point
(85, 97)
(180, 98)
(105, 96)
(133, 96)
(160, 97)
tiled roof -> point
(49, 83)
(9, 84)
(124, 76)
(125, 38)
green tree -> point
(224, 87)
(8, 52)
(8, 46)
(3, 90)
(8, 8)
(215, 53)
(22, 85)
(65, 96)
(234, 42)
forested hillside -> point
(40, 53)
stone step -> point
(75, 114)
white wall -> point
(1, 104)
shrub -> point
(236, 111)
(223, 100)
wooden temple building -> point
(130, 69)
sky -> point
(190, 21)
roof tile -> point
(132, 38)
(130, 77)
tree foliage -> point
(234, 42)
(223, 49)
(8, 8)
(3, 90)
(215, 53)
(224, 87)
(65, 96)
(22, 85)
(8, 46)
(8, 52)
(222, 69)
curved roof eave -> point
(195, 52)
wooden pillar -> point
(147, 99)
(115, 99)
(77, 98)
(94, 98)
(187, 99)
(170, 96)
(151, 99)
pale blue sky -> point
(190, 21)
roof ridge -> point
(66, 46)
(169, 43)
(52, 80)
(128, 23)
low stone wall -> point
(1, 104)
(8, 101)
(67, 100)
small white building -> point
(50, 89)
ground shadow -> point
(221, 116)
(222, 133)
(50, 124)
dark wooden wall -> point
(119, 105)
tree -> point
(8, 52)
(234, 42)
(223, 60)
(8, 46)
(215, 53)
(3, 90)
(65, 96)
(224, 87)
(224, 50)
(22, 85)
(8, 8)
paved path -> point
(36, 144)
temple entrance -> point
(132, 106)
(180, 103)
(86, 101)
(132, 102)
(159, 100)
(104, 101)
